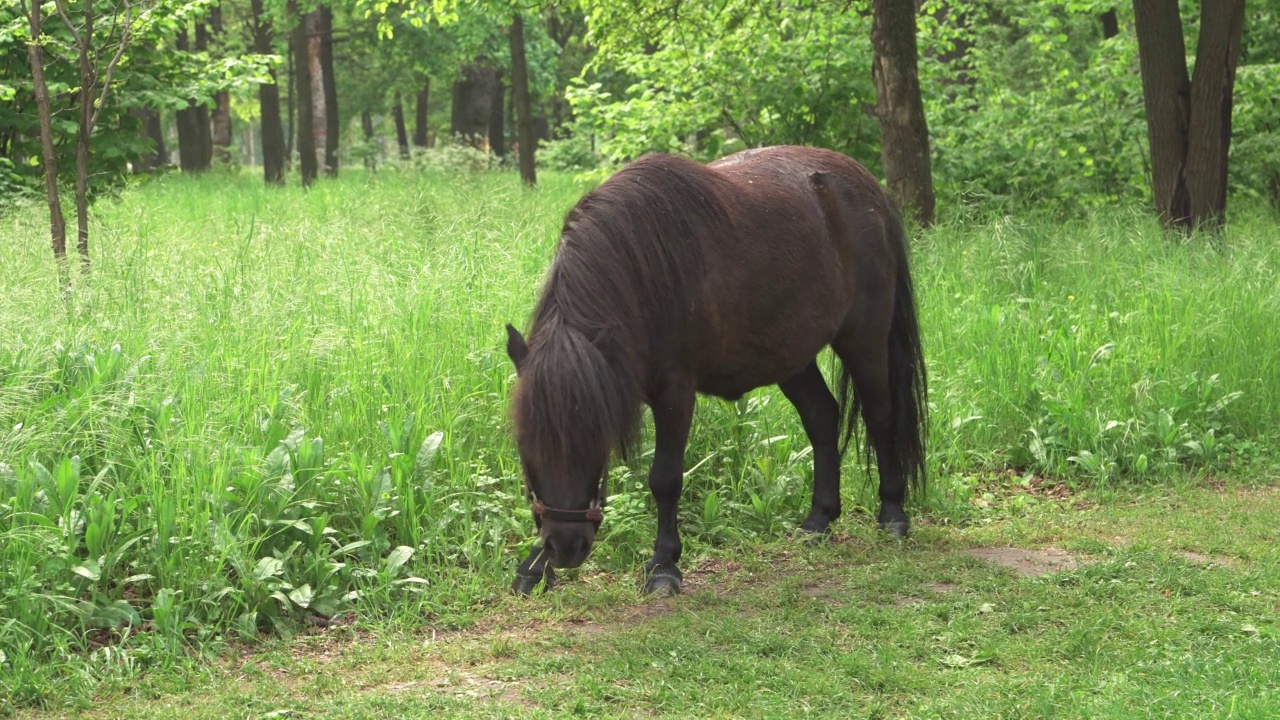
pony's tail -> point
(908, 381)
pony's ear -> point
(517, 350)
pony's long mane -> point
(623, 280)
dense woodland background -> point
(996, 107)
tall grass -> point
(268, 404)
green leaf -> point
(427, 452)
(90, 569)
(301, 596)
(267, 567)
(398, 557)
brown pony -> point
(674, 278)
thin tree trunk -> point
(331, 119)
(420, 114)
(57, 222)
(315, 70)
(524, 105)
(497, 119)
(402, 135)
(305, 128)
(274, 148)
(292, 104)
(366, 124)
(904, 132)
(150, 121)
(86, 103)
(222, 104)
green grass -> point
(267, 404)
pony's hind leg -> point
(871, 381)
(819, 413)
(672, 416)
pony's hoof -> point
(896, 528)
(526, 583)
(664, 583)
(818, 538)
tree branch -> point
(62, 13)
(111, 66)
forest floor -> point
(1153, 603)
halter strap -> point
(594, 513)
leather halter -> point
(594, 513)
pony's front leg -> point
(672, 415)
(532, 571)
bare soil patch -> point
(1208, 561)
(1025, 561)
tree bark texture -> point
(222, 103)
(273, 143)
(1110, 24)
(524, 104)
(472, 96)
(202, 122)
(402, 135)
(497, 119)
(1188, 120)
(306, 142)
(189, 151)
(904, 132)
(57, 222)
(315, 71)
(331, 118)
(420, 114)
(366, 124)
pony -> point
(673, 279)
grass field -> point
(268, 405)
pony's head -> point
(570, 409)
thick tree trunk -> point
(274, 148)
(187, 122)
(306, 142)
(202, 121)
(904, 132)
(1212, 90)
(497, 120)
(1188, 121)
(1110, 24)
(402, 135)
(472, 96)
(331, 118)
(222, 104)
(420, 114)
(57, 222)
(524, 105)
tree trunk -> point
(315, 70)
(420, 113)
(366, 124)
(470, 114)
(222, 103)
(274, 148)
(524, 105)
(306, 142)
(202, 120)
(331, 118)
(1188, 121)
(1212, 91)
(497, 121)
(86, 102)
(57, 222)
(904, 132)
(1110, 24)
(150, 121)
(189, 152)
(292, 130)
(402, 135)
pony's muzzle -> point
(567, 544)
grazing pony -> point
(675, 278)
